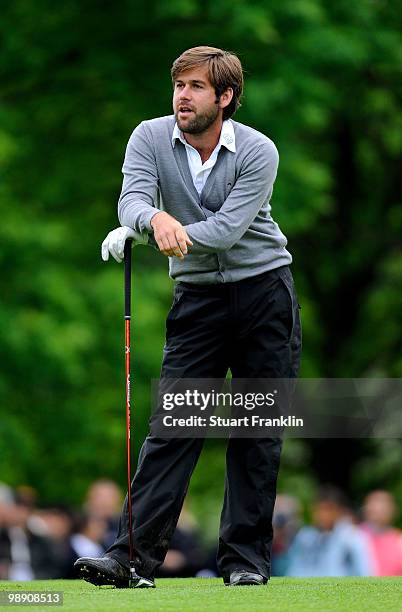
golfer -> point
(197, 186)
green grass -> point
(206, 594)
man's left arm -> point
(252, 189)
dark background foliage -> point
(323, 80)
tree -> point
(321, 81)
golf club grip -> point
(127, 279)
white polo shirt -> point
(200, 171)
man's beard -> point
(199, 123)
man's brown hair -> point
(224, 71)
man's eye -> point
(197, 86)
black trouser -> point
(253, 328)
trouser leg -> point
(158, 490)
(195, 348)
(245, 535)
(268, 344)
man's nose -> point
(185, 93)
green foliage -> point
(322, 80)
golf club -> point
(134, 578)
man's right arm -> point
(140, 183)
(136, 203)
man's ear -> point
(226, 98)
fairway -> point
(200, 594)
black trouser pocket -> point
(286, 277)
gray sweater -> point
(230, 225)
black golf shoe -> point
(108, 571)
(245, 578)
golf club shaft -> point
(127, 322)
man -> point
(333, 545)
(197, 186)
(385, 541)
(25, 552)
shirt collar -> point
(227, 137)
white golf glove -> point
(115, 241)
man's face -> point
(326, 514)
(379, 508)
(194, 101)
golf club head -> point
(138, 582)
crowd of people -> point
(340, 541)
(39, 542)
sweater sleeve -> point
(252, 189)
(140, 183)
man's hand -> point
(170, 235)
(115, 240)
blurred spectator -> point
(6, 503)
(24, 553)
(333, 546)
(185, 556)
(379, 512)
(286, 520)
(59, 522)
(89, 534)
(103, 501)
